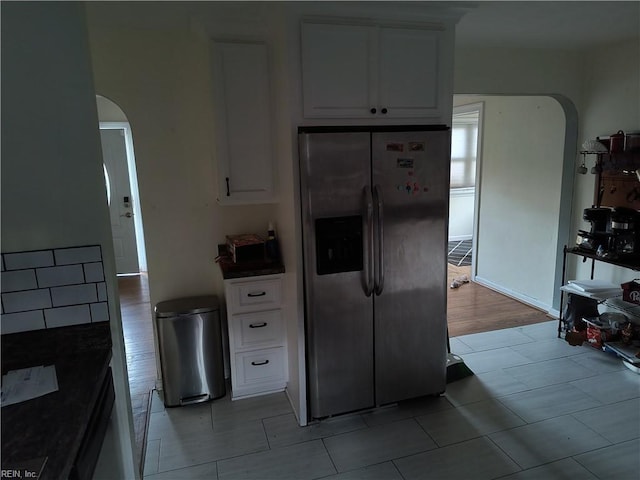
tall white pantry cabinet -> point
(243, 115)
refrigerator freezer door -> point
(411, 170)
(335, 172)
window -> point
(464, 147)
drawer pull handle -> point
(256, 364)
(258, 325)
(256, 294)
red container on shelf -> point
(631, 292)
(632, 142)
(596, 336)
(616, 142)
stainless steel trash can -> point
(190, 344)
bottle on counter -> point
(271, 245)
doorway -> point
(128, 239)
(123, 198)
(520, 203)
(466, 135)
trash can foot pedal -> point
(194, 399)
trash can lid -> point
(185, 306)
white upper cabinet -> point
(336, 63)
(371, 71)
(243, 123)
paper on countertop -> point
(27, 383)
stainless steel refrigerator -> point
(375, 205)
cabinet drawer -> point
(251, 330)
(255, 295)
(260, 366)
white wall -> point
(519, 181)
(53, 191)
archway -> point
(524, 195)
(122, 188)
(133, 286)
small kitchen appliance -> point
(598, 236)
(624, 225)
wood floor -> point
(472, 308)
(137, 325)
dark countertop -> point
(248, 269)
(53, 426)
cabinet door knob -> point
(256, 294)
(384, 110)
(373, 110)
(256, 364)
(228, 192)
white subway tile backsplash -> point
(26, 300)
(93, 272)
(23, 260)
(102, 292)
(58, 276)
(22, 322)
(74, 294)
(99, 312)
(52, 288)
(18, 280)
(65, 316)
(67, 256)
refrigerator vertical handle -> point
(379, 268)
(368, 242)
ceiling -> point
(549, 24)
(519, 24)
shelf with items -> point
(628, 353)
(611, 297)
(617, 177)
(631, 262)
(617, 329)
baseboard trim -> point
(532, 302)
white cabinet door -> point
(408, 72)
(370, 71)
(336, 74)
(243, 119)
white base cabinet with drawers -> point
(257, 347)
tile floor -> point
(536, 408)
